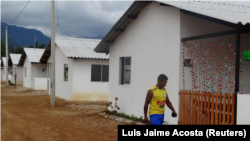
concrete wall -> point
(40, 76)
(245, 78)
(1, 74)
(83, 88)
(19, 72)
(243, 106)
(49, 75)
(63, 89)
(153, 42)
(27, 80)
(192, 26)
(4, 73)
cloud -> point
(76, 18)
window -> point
(25, 71)
(187, 63)
(66, 70)
(99, 73)
(125, 70)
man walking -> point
(157, 98)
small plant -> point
(114, 108)
(10, 83)
(132, 117)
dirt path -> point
(26, 115)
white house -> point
(3, 68)
(34, 72)
(80, 73)
(152, 38)
(1, 71)
(16, 69)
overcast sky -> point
(76, 18)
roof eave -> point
(131, 14)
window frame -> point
(101, 72)
(64, 72)
(122, 70)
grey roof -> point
(32, 54)
(233, 14)
(76, 48)
(3, 61)
(15, 58)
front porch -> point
(214, 74)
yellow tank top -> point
(157, 104)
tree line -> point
(17, 50)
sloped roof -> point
(3, 61)
(233, 13)
(229, 13)
(15, 58)
(33, 55)
(76, 48)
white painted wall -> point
(27, 80)
(48, 76)
(63, 89)
(192, 26)
(4, 73)
(243, 106)
(40, 76)
(245, 43)
(83, 88)
(153, 42)
(1, 74)
(19, 72)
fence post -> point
(233, 106)
(192, 107)
(195, 108)
(220, 109)
(198, 110)
(216, 109)
(212, 110)
(205, 108)
(224, 109)
(186, 106)
(180, 95)
(228, 108)
(182, 109)
(189, 107)
(208, 107)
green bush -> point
(11, 84)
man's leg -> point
(162, 118)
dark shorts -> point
(157, 119)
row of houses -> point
(81, 73)
(149, 39)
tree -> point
(2, 48)
(37, 45)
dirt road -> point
(26, 115)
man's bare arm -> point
(147, 101)
(169, 104)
